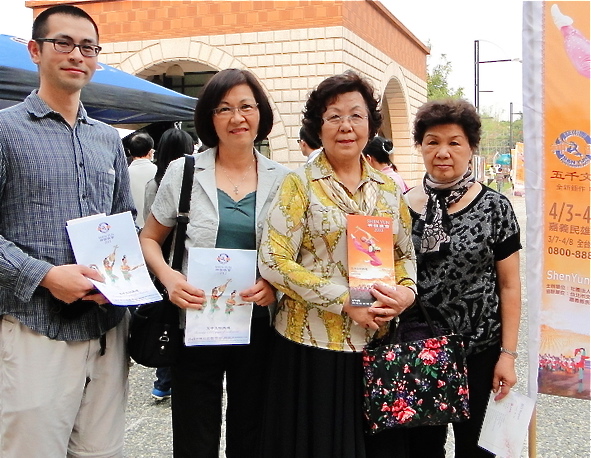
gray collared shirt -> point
(51, 173)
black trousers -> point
(197, 384)
(429, 441)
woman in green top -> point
(232, 188)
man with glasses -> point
(63, 375)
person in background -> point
(378, 152)
(309, 146)
(141, 170)
(232, 189)
(466, 237)
(490, 175)
(63, 375)
(174, 143)
(315, 400)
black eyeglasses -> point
(66, 46)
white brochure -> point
(505, 424)
(109, 244)
(222, 273)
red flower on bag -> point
(368, 358)
(443, 406)
(428, 356)
(402, 411)
(406, 369)
(433, 343)
(462, 390)
(385, 407)
(440, 383)
(390, 355)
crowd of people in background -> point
(295, 391)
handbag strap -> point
(426, 316)
(423, 309)
(182, 218)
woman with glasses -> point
(233, 186)
(314, 407)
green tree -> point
(496, 135)
(437, 84)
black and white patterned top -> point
(459, 288)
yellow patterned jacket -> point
(303, 253)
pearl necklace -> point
(236, 186)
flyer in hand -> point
(505, 424)
(109, 245)
(222, 273)
(370, 254)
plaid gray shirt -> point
(51, 173)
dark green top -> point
(237, 222)
(237, 228)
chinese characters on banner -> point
(560, 184)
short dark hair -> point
(379, 148)
(213, 92)
(309, 139)
(448, 111)
(40, 28)
(327, 92)
(174, 143)
(140, 144)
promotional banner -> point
(518, 170)
(558, 182)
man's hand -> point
(70, 282)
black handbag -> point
(415, 376)
(155, 336)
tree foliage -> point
(437, 82)
(498, 136)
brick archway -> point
(194, 55)
(396, 109)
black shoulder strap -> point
(183, 213)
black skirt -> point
(314, 407)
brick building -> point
(291, 46)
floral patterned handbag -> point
(416, 383)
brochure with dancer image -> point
(109, 245)
(222, 273)
(370, 254)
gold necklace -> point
(236, 186)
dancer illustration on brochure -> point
(216, 293)
(126, 269)
(371, 248)
(109, 263)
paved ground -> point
(563, 429)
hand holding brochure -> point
(505, 424)
(109, 244)
(222, 273)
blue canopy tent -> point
(113, 96)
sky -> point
(449, 26)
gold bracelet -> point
(509, 352)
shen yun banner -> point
(222, 273)
(558, 181)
